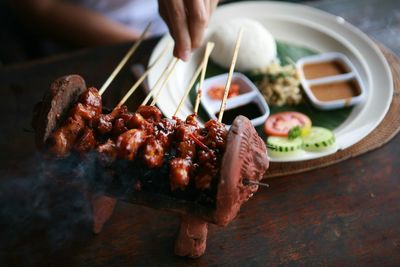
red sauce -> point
(217, 92)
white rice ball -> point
(257, 48)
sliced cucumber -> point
(318, 139)
(282, 146)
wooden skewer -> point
(155, 87)
(248, 182)
(176, 60)
(202, 67)
(191, 83)
(203, 74)
(228, 82)
(124, 60)
(141, 79)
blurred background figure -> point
(51, 26)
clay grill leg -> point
(103, 208)
(192, 237)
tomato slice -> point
(279, 124)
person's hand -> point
(186, 20)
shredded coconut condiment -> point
(280, 85)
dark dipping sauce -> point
(251, 111)
(323, 69)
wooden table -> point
(346, 214)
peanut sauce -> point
(323, 69)
(336, 91)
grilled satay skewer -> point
(157, 145)
(229, 80)
(89, 107)
(202, 67)
(115, 121)
(141, 124)
(181, 165)
(133, 139)
(124, 60)
(134, 131)
(203, 74)
(156, 87)
(157, 95)
(144, 75)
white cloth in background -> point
(132, 13)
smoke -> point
(45, 210)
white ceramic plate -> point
(308, 27)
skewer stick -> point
(228, 82)
(124, 60)
(210, 45)
(141, 79)
(202, 67)
(155, 87)
(176, 60)
(248, 182)
(191, 83)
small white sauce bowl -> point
(350, 76)
(248, 93)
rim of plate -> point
(374, 67)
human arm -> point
(71, 23)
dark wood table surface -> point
(347, 214)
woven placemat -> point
(385, 131)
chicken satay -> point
(137, 121)
(120, 120)
(150, 113)
(154, 151)
(63, 139)
(144, 118)
(107, 152)
(86, 142)
(179, 173)
(119, 127)
(209, 159)
(164, 131)
(88, 106)
(91, 99)
(104, 123)
(181, 166)
(216, 135)
(129, 143)
(191, 119)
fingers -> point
(174, 14)
(187, 21)
(197, 12)
(213, 6)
